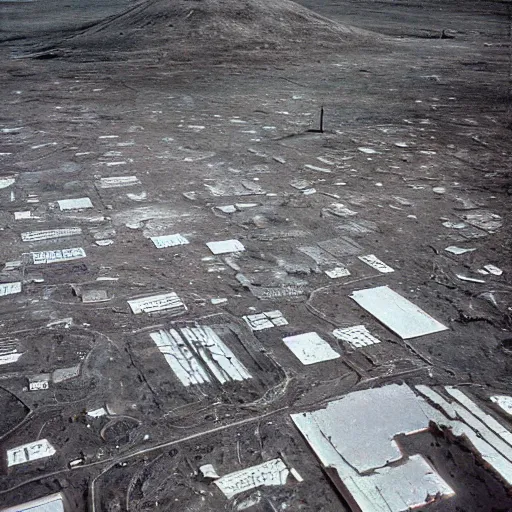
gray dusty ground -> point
(202, 128)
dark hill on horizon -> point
(190, 29)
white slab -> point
(225, 246)
(12, 265)
(487, 419)
(419, 485)
(22, 215)
(208, 471)
(63, 374)
(367, 151)
(169, 241)
(310, 348)
(354, 437)
(338, 272)
(357, 336)
(454, 225)
(318, 169)
(75, 204)
(137, 197)
(8, 352)
(154, 303)
(343, 436)
(51, 503)
(458, 250)
(38, 385)
(92, 296)
(6, 182)
(491, 442)
(97, 413)
(493, 269)
(9, 358)
(104, 243)
(503, 402)
(230, 208)
(470, 279)
(195, 353)
(57, 256)
(375, 263)
(29, 452)
(48, 234)
(397, 313)
(119, 181)
(242, 206)
(10, 288)
(273, 472)
(265, 320)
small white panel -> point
(75, 204)
(119, 181)
(168, 241)
(34, 236)
(375, 263)
(357, 336)
(310, 348)
(338, 272)
(10, 288)
(225, 246)
(266, 320)
(157, 303)
(57, 256)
